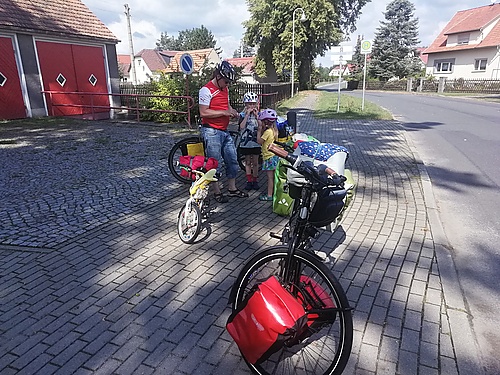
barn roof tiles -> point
(54, 17)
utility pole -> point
(131, 46)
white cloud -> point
(149, 19)
(433, 15)
(224, 19)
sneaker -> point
(255, 185)
(265, 198)
(249, 186)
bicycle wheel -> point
(189, 223)
(182, 148)
(327, 346)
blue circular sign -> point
(187, 63)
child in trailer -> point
(267, 133)
(248, 146)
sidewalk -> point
(94, 280)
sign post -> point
(366, 48)
(340, 54)
(186, 64)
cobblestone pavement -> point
(94, 280)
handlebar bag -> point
(269, 318)
(198, 162)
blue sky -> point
(224, 19)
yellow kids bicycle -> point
(196, 208)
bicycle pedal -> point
(275, 235)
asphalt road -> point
(458, 140)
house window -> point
(443, 66)
(463, 38)
(480, 64)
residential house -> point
(57, 46)
(423, 58)
(468, 47)
(247, 65)
(124, 67)
(149, 63)
(201, 58)
(344, 70)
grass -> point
(326, 107)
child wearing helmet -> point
(267, 133)
(248, 146)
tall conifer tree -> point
(394, 47)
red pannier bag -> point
(197, 162)
(269, 318)
(314, 297)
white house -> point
(468, 47)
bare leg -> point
(270, 183)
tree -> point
(247, 51)
(358, 60)
(270, 29)
(188, 40)
(394, 47)
(165, 42)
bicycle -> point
(196, 208)
(326, 345)
(191, 146)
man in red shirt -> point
(216, 111)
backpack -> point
(269, 318)
(197, 162)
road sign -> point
(341, 54)
(366, 47)
(187, 64)
(341, 50)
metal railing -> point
(139, 101)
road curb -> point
(459, 316)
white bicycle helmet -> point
(268, 114)
(250, 97)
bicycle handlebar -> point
(292, 159)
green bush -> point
(175, 85)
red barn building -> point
(56, 45)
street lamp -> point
(302, 19)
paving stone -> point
(104, 285)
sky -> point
(224, 19)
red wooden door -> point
(11, 95)
(91, 76)
(58, 74)
(75, 70)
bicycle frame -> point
(199, 188)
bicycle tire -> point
(327, 349)
(236, 139)
(177, 150)
(189, 230)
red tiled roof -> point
(52, 17)
(154, 59)
(124, 64)
(466, 21)
(423, 57)
(199, 58)
(247, 63)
